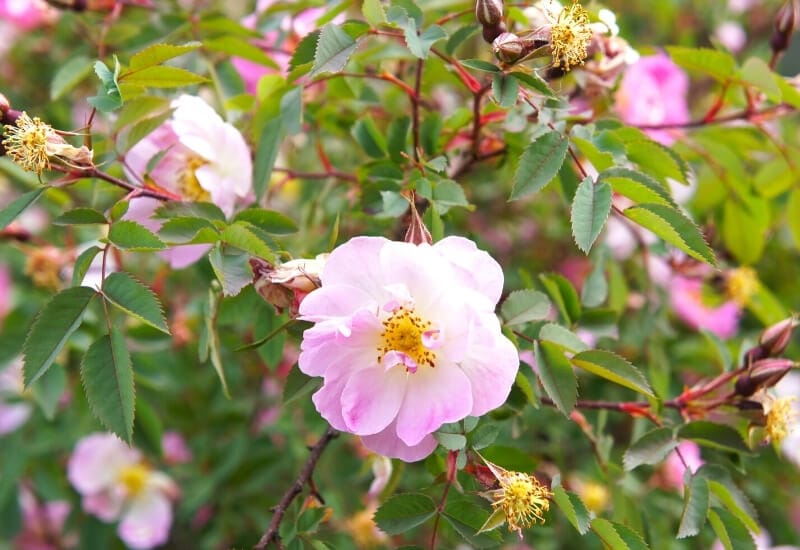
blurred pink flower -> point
(731, 35)
(204, 159)
(14, 411)
(686, 295)
(653, 91)
(674, 468)
(175, 449)
(116, 484)
(43, 524)
(406, 339)
(26, 14)
(5, 293)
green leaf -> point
(505, 90)
(158, 53)
(244, 236)
(573, 508)
(539, 164)
(651, 448)
(715, 63)
(135, 299)
(636, 186)
(657, 160)
(83, 263)
(614, 368)
(109, 97)
(480, 65)
(608, 534)
(162, 77)
(713, 434)
(185, 230)
(729, 495)
(730, 531)
(451, 442)
(420, 44)
(373, 12)
(208, 344)
(299, 385)
(590, 209)
(51, 329)
(564, 337)
(726, 361)
(232, 269)
(240, 47)
(18, 206)
(369, 137)
(595, 287)
(674, 228)
(534, 82)
(793, 216)
(268, 221)
(333, 50)
(69, 75)
(468, 516)
(291, 109)
(563, 295)
(524, 306)
(403, 512)
(695, 507)
(557, 376)
(80, 216)
(129, 235)
(632, 539)
(48, 390)
(744, 229)
(303, 55)
(174, 209)
(267, 152)
(757, 73)
(107, 378)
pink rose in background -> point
(175, 449)
(14, 410)
(116, 484)
(674, 468)
(204, 159)
(653, 91)
(686, 295)
(731, 35)
(43, 524)
(406, 339)
(27, 14)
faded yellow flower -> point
(32, 144)
(570, 36)
(521, 498)
(742, 283)
(780, 419)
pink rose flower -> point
(175, 449)
(14, 411)
(204, 159)
(653, 91)
(406, 339)
(26, 14)
(687, 301)
(674, 467)
(43, 524)
(116, 484)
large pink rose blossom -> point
(686, 295)
(204, 159)
(653, 91)
(116, 484)
(406, 339)
(14, 410)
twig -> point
(297, 487)
(415, 108)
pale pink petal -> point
(97, 460)
(476, 268)
(356, 265)
(146, 523)
(106, 505)
(371, 399)
(491, 370)
(434, 396)
(387, 443)
(687, 301)
(13, 415)
(674, 467)
(183, 256)
(175, 449)
(334, 300)
(140, 211)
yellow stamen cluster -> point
(190, 187)
(780, 419)
(570, 35)
(134, 478)
(523, 500)
(403, 332)
(742, 284)
(26, 143)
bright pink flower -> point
(175, 449)
(653, 91)
(687, 301)
(14, 410)
(204, 159)
(406, 339)
(26, 14)
(116, 484)
(43, 524)
(674, 467)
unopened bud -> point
(785, 21)
(489, 12)
(776, 338)
(763, 374)
(285, 285)
(508, 48)
(417, 232)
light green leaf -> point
(793, 216)
(129, 235)
(595, 287)
(505, 89)
(420, 44)
(373, 12)
(162, 76)
(539, 164)
(69, 75)
(267, 152)
(657, 160)
(333, 50)
(714, 434)
(557, 376)
(715, 63)
(605, 530)
(757, 73)
(158, 53)
(524, 306)
(135, 299)
(534, 82)
(49, 389)
(240, 47)
(403, 512)
(244, 236)
(80, 216)
(651, 448)
(564, 337)
(451, 442)
(174, 209)
(563, 295)
(268, 221)
(107, 378)
(573, 508)
(18, 206)
(674, 228)
(590, 209)
(208, 344)
(744, 229)
(83, 263)
(730, 531)
(186, 230)
(638, 187)
(695, 507)
(614, 368)
(469, 517)
(51, 329)
(232, 269)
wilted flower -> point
(688, 302)
(570, 36)
(44, 265)
(32, 144)
(285, 285)
(116, 483)
(406, 339)
(14, 410)
(653, 91)
(781, 418)
(198, 157)
(521, 498)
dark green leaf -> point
(174, 209)
(480, 65)
(187, 230)
(10, 212)
(232, 269)
(590, 209)
(534, 82)
(505, 90)
(651, 448)
(468, 515)
(80, 216)
(147, 427)
(49, 389)
(539, 164)
(714, 434)
(129, 235)
(451, 442)
(557, 376)
(695, 507)
(674, 228)
(636, 186)
(83, 263)
(403, 512)
(268, 145)
(268, 221)
(563, 295)
(732, 498)
(135, 299)
(369, 137)
(573, 508)
(730, 531)
(614, 368)
(299, 385)
(524, 306)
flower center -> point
(26, 143)
(569, 37)
(523, 499)
(134, 478)
(190, 187)
(406, 333)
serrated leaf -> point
(612, 367)
(657, 160)
(269, 144)
(83, 263)
(451, 442)
(303, 55)
(608, 534)
(334, 48)
(240, 47)
(729, 495)
(651, 448)
(175, 209)
(557, 376)
(534, 82)
(539, 164)
(713, 434)
(563, 295)
(403, 512)
(757, 73)
(744, 229)
(638, 187)
(69, 75)
(632, 539)
(595, 287)
(49, 389)
(590, 209)
(419, 44)
(158, 53)
(18, 206)
(715, 63)
(185, 230)
(674, 228)
(695, 507)
(208, 343)
(162, 76)
(129, 235)
(268, 221)
(373, 12)
(51, 329)
(243, 236)
(524, 306)
(107, 378)
(563, 337)
(505, 90)
(135, 299)
(480, 65)
(368, 136)
(573, 508)
(468, 515)
(232, 270)
(730, 531)
(80, 216)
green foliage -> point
(556, 375)
(403, 512)
(539, 164)
(590, 209)
(614, 368)
(651, 448)
(524, 306)
(135, 299)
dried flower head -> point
(521, 498)
(570, 36)
(780, 419)
(742, 283)
(26, 143)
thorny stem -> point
(297, 487)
